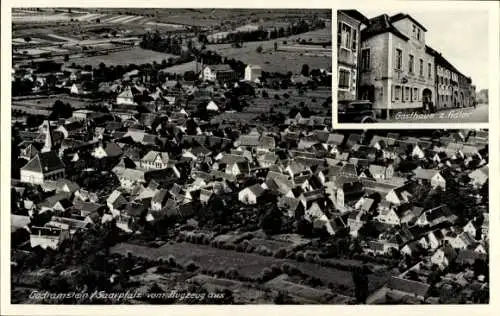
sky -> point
(461, 36)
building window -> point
(418, 34)
(345, 36)
(429, 70)
(415, 94)
(421, 67)
(410, 64)
(344, 78)
(365, 59)
(407, 93)
(354, 40)
(397, 93)
(399, 59)
(414, 30)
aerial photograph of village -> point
(187, 156)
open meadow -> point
(290, 55)
(134, 55)
(249, 265)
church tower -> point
(48, 144)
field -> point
(313, 99)
(135, 55)
(182, 68)
(46, 103)
(247, 264)
(289, 57)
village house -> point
(479, 176)
(154, 160)
(220, 73)
(349, 45)
(436, 216)
(125, 97)
(47, 237)
(443, 256)
(399, 195)
(430, 176)
(116, 201)
(109, 149)
(129, 177)
(253, 73)
(406, 65)
(251, 194)
(45, 165)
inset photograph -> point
(414, 66)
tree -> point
(259, 49)
(360, 279)
(305, 70)
(271, 222)
(60, 110)
(27, 39)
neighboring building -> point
(82, 114)
(108, 150)
(253, 73)
(221, 73)
(212, 106)
(479, 176)
(473, 94)
(154, 160)
(47, 237)
(126, 97)
(78, 89)
(464, 95)
(482, 96)
(251, 194)
(397, 74)
(446, 82)
(348, 45)
(129, 177)
(430, 176)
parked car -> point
(359, 111)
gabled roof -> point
(160, 196)
(401, 16)
(135, 209)
(44, 162)
(426, 174)
(127, 93)
(256, 189)
(113, 150)
(355, 14)
(335, 139)
(232, 159)
(379, 25)
(152, 155)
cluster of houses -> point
(337, 180)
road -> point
(466, 115)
